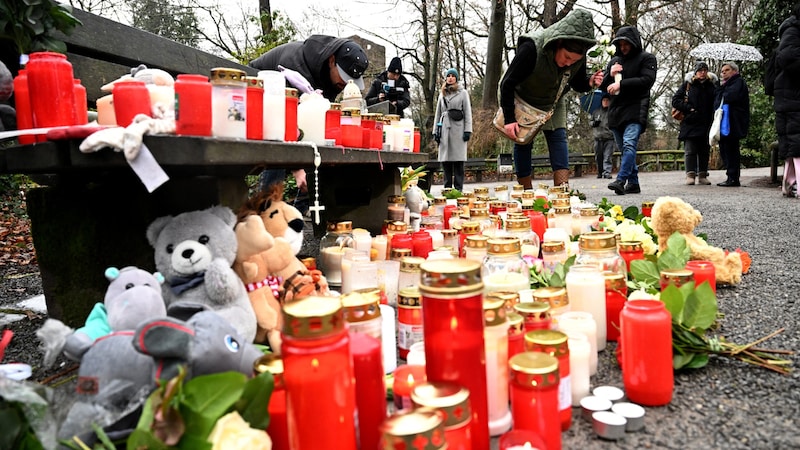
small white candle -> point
(388, 338)
(583, 323)
(579, 371)
(348, 260)
(379, 243)
(363, 240)
(331, 259)
(586, 289)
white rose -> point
(232, 432)
(641, 294)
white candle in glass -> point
(331, 259)
(496, 343)
(581, 322)
(507, 281)
(363, 274)
(388, 338)
(388, 279)
(362, 239)
(579, 371)
(348, 259)
(586, 289)
(380, 244)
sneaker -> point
(618, 186)
(729, 183)
(607, 175)
(633, 189)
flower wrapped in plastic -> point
(231, 431)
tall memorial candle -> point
(370, 387)
(452, 318)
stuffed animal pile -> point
(671, 214)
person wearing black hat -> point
(604, 145)
(392, 86)
(326, 63)
(695, 99)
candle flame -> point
(453, 323)
(410, 379)
(528, 446)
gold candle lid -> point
(534, 370)
(504, 245)
(272, 363)
(588, 212)
(516, 324)
(558, 189)
(494, 312)
(678, 277)
(564, 195)
(481, 190)
(224, 75)
(518, 224)
(597, 240)
(336, 106)
(414, 429)
(477, 241)
(344, 226)
(392, 117)
(411, 263)
(440, 200)
(397, 226)
(501, 188)
(561, 210)
(528, 195)
(561, 202)
(313, 317)
(462, 201)
(518, 188)
(409, 297)
(509, 299)
(552, 246)
(630, 246)
(555, 296)
(449, 233)
(471, 227)
(399, 254)
(352, 112)
(533, 312)
(647, 204)
(615, 282)
(397, 199)
(292, 92)
(254, 82)
(450, 277)
(497, 204)
(362, 305)
(551, 342)
(516, 215)
(449, 398)
(478, 213)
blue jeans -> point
(627, 140)
(556, 146)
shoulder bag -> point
(529, 118)
(716, 125)
(677, 114)
(455, 114)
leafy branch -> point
(694, 312)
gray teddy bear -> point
(195, 252)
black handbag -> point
(454, 114)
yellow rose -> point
(232, 432)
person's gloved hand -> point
(297, 80)
(467, 135)
(437, 137)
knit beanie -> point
(395, 66)
(700, 66)
(453, 72)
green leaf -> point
(144, 439)
(698, 360)
(701, 309)
(207, 398)
(631, 212)
(679, 361)
(252, 406)
(191, 442)
(645, 271)
(674, 301)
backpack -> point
(770, 74)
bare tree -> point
(494, 50)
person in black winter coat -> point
(733, 91)
(630, 102)
(392, 86)
(787, 99)
(695, 99)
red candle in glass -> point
(447, 213)
(351, 136)
(277, 428)
(409, 320)
(516, 335)
(646, 337)
(677, 277)
(81, 109)
(333, 118)
(193, 105)
(422, 244)
(22, 104)
(131, 97)
(452, 317)
(318, 375)
(292, 100)
(616, 296)
(51, 89)
(417, 140)
(630, 250)
(538, 222)
(421, 428)
(534, 396)
(254, 116)
(554, 343)
(452, 402)
(370, 387)
(406, 377)
(521, 440)
(376, 139)
(535, 315)
(401, 240)
(703, 272)
(647, 209)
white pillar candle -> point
(416, 354)
(274, 104)
(380, 244)
(496, 343)
(579, 370)
(331, 263)
(362, 239)
(388, 279)
(586, 289)
(506, 281)
(388, 338)
(348, 259)
(583, 323)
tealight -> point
(632, 412)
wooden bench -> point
(91, 212)
(657, 159)
(576, 160)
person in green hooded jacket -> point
(547, 63)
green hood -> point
(577, 25)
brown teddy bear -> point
(280, 218)
(272, 275)
(671, 214)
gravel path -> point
(727, 404)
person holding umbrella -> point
(734, 93)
